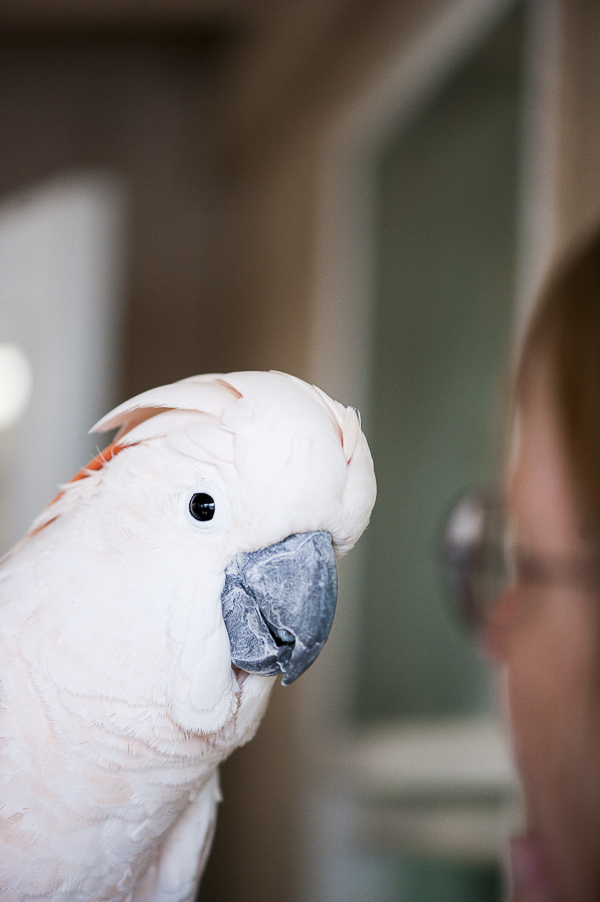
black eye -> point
(202, 506)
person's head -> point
(545, 628)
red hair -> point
(564, 339)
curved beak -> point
(278, 605)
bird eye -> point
(202, 506)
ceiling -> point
(111, 14)
(280, 61)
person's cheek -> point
(548, 672)
(541, 693)
(497, 631)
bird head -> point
(249, 485)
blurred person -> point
(533, 587)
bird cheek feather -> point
(212, 679)
(204, 690)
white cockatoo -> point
(145, 616)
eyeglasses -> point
(481, 560)
(477, 566)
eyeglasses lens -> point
(477, 557)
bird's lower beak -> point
(278, 605)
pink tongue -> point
(528, 870)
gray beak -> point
(278, 605)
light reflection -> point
(16, 379)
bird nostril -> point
(285, 637)
(280, 636)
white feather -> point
(118, 697)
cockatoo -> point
(145, 617)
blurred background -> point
(367, 194)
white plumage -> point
(118, 698)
